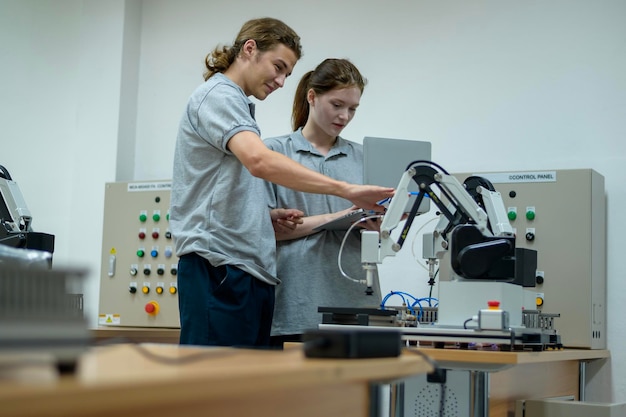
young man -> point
(218, 216)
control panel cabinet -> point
(562, 215)
(138, 286)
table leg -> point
(582, 380)
(396, 399)
(480, 391)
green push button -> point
(512, 215)
(143, 217)
(530, 215)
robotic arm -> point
(473, 226)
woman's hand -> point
(285, 221)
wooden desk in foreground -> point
(170, 380)
(499, 379)
(501, 360)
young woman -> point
(218, 216)
(326, 100)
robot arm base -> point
(474, 255)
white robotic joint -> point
(369, 247)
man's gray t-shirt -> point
(218, 209)
(307, 267)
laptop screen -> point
(386, 159)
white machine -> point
(558, 215)
(15, 218)
(475, 232)
(41, 315)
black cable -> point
(4, 173)
(436, 370)
(219, 351)
(422, 161)
(195, 357)
(431, 283)
(427, 358)
(467, 321)
(442, 400)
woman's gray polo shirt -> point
(307, 267)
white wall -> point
(494, 85)
(59, 118)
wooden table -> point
(171, 380)
(500, 378)
(111, 334)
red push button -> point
(152, 308)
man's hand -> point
(366, 196)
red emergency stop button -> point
(152, 308)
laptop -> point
(384, 162)
(386, 159)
